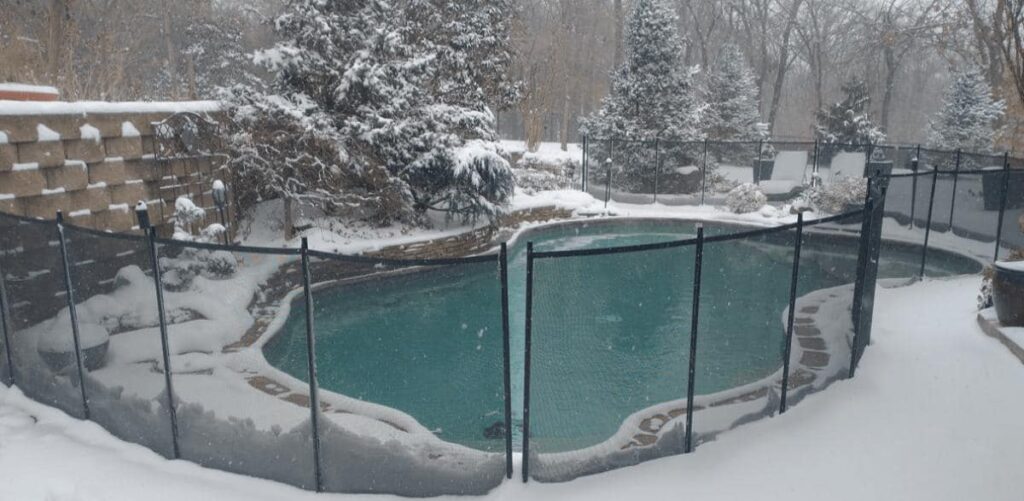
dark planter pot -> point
(92, 358)
(883, 167)
(1008, 295)
(992, 189)
(763, 170)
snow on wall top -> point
(101, 107)
(17, 87)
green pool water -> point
(610, 332)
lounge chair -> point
(788, 176)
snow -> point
(6, 196)
(893, 432)
(75, 163)
(101, 107)
(3, 137)
(128, 130)
(46, 134)
(80, 213)
(17, 87)
(26, 166)
(1017, 266)
(90, 133)
(55, 191)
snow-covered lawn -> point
(933, 414)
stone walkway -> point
(815, 356)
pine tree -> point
(848, 122)
(968, 115)
(652, 97)
(369, 126)
(732, 107)
(652, 93)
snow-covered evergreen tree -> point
(732, 112)
(653, 92)
(653, 96)
(968, 115)
(848, 122)
(361, 119)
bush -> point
(746, 198)
(839, 196)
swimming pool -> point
(610, 332)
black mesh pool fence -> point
(365, 374)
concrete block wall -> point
(94, 162)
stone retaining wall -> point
(93, 161)
(472, 242)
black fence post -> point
(165, 348)
(757, 166)
(913, 186)
(792, 310)
(928, 227)
(867, 268)
(584, 164)
(506, 359)
(704, 174)
(814, 167)
(69, 285)
(608, 177)
(314, 391)
(528, 339)
(1002, 203)
(657, 166)
(956, 179)
(6, 330)
(694, 324)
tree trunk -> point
(780, 76)
(59, 13)
(891, 67)
(619, 22)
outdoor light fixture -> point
(142, 214)
(220, 199)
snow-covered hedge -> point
(746, 198)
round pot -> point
(1008, 293)
(92, 358)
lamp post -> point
(220, 199)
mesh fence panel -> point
(235, 412)
(116, 305)
(1012, 237)
(40, 334)
(745, 291)
(729, 164)
(680, 180)
(633, 168)
(823, 328)
(610, 337)
(598, 175)
(410, 368)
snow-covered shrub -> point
(746, 198)
(838, 196)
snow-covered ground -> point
(933, 414)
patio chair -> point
(848, 164)
(788, 176)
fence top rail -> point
(105, 234)
(483, 258)
(593, 141)
(693, 241)
(284, 251)
(26, 219)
